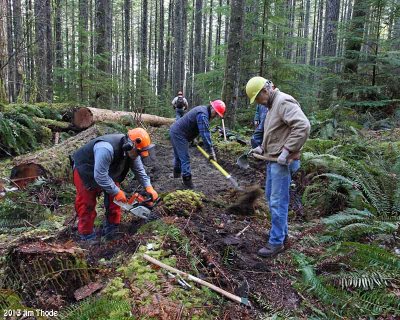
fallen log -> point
(84, 117)
(53, 125)
(52, 162)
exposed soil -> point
(227, 260)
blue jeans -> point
(181, 154)
(277, 187)
(179, 113)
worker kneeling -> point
(186, 129)
(100, 165)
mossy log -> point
(51, 162)
(54, 125)
(46, 275)
(85, 117)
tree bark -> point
(3, 50)
(11, 56)
(85, 117)
(58, 40)
(161, 62)
(210, 37)
(354, 41)
(18, 47)
(330, 31)
(44, 57)
(230, 89)
(127, 77)
(197, 46)
(83, 47)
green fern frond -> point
(103, 308)
(366, 280)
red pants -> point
(85, 206)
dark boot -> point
(187, 181)
(111, 231)
(177, 173)
(270, 250)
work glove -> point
(152, 192)
(120, 196)
(257, 150)
(282, 159)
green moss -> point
(183, 202)
(116, 289)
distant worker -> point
(259, 119)
(100, 165)
(286, 129)
(186, 129)
(180, 104)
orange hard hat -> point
(141, 139)
(219, 107)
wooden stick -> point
(237, 235)
(197, 280)
(223, 128)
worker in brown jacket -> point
(286, 129)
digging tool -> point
(227, 294)
(243, 161)
(220, 169)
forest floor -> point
(206, 247)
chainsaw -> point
(140, 204)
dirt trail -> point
(214, 228)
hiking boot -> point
(270, 250)
(177, 173)
(87, 239)
(110, 231)
(187, 181)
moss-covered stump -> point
(183, 202)
(46, 275)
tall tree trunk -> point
(18, 47)
(127, 77)
(179, 44)
(262, 51)
(44, 57)
(320, 25)
(11, 54)
(168, 46)
(330, 31)
(197, 45)
(210, 35)
(83, 47)
(354, 41)
(230, 91)
(59, 46)
(314, 36)
(219, 27)
(204, 38)
(103, 44)
(304, 50)
(395, 43)
(190, 73)
(226, 24)
(3, 51)
(161, 62)
(143, 56)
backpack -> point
(180, 103)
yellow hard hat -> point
(254, 86)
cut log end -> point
(83, 118)
(25, 173)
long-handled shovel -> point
(220, 169)
(243, 161)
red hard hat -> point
(219, 107)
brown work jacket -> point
(285, 126)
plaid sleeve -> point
(204, 130)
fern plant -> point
(353, 224)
